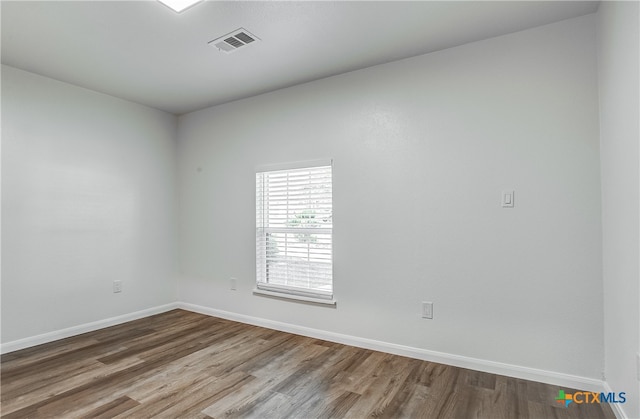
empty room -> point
(173, 173)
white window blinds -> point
(294, 213)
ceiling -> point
(144, 52)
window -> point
(294, 220)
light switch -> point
(507, 199)
(427, 310)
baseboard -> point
(83, 328)
(616, 407)
(550, 377)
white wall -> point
(422, 150)
(88, 192)
(618, 58)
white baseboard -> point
(549, 377)
(516, 371)
(83, 328)
(617, 408)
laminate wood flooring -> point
(181, 364)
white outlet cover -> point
(508, 198)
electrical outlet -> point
(233, 283)
(508, 199)
(117, 286)
(427, 310)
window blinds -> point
(294, 223)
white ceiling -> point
(144, 52)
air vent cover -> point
(234, 40)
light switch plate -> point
(427, 310)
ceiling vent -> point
(234, 40)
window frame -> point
(262, 231)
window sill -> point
(285, 296)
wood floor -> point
(181, 364)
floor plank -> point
(184, 364)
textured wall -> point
(88, 197)
(422, 149)
(618, 70)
